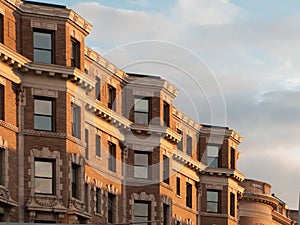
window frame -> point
(52, 50)
(166, 169)
(189, 195)
(189, 145)
(52, 116)
(98, 145)
(135, 112)
(209, 157)
(217, 202)
(2, 102)
(178, 186)
(148, 216)
(179, 145)
(138, 165)
(75, 170)
(232, 204)
(166, 114)
(111, 100)
(75, 53)
(53, 178)
(112, 157)
(111, 208)
(98, 88)
(76, 121)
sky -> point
(236, 63)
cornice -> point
(186, 120)
(281, 218)
(224, 172)
(261, 198)
(104, 63)
(188, 161)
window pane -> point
(141, 209)
(42, 123)
(42, 40)
(212, 207)
(43, 107)
(141, 159)
(141, 105)
(43, 56)
(43, 185)
(43, 169)
(140, 172)
(212, 150)
(212, 161)
(141, 118)
(212, 196)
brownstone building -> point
(81, 141)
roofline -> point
(45, 4)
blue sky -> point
(236, 63)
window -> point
(87, 144)
(166, 210)
(166, 114)
(141, 212)
(189, 145)
(1, 29)
(232, 158)
(112, 157)
(98, 200)
(2, 106)
(212, 155)
(212, 201)
(189, 202)
(43, 46)
(44, 176)
(98, 145)
(179, 144)
(111, 98)
(141, 163)
(75, 180)
(166, 170)
(76, 121)
(98, 89)
(232, 204)
(111, 207)
(43, 114)
(178, 186)
(2, 167)
(141, 110)
(75, 53)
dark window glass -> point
(111, 98)
(75, 53)
(2, 167)
(166, 114)
(2, 102)
(112, 157)
(98, 89)
(43, 47)
(87, 143)
(98, 145)
(189, 145)
(166, 170)
(232, 158)
(111, 208)
(141, 164)
(232, 204)
(98, 200)
(212, 155)
(141, 212)
(178, 186)
(1, 218)
(179, 144)
(166, 213)
(141, 110)
(75, 180)
(44, 177)
(76, 121)
(43, 114)
(1, 28)
(212, 201)
(189, 202)
(87, 196)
